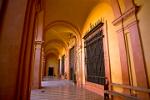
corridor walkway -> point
(62, 90)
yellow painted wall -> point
(104, 10)
(52, 61)
(144, 25)
(122, 5)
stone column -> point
(138, 58)
(83, 63)
(123, 59)
(44, 67)
(36, 81)
(42, 63)
(67, 64)
(79, 70)
(60, 71)
(37, 65)
(16, 35)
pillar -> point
(116, 8)
(67, 64)
(60, 64)
(83, 62)
(43, 63)
(16, 38)
(37, 65)
(129, 4)
(44, 67)
(123, 59)
(78, 64)
(138, 58)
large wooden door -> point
(95, 57)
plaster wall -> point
(122, 5)
(105, 12)
(144, 23)
(10, 43)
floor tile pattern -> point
(62, 90)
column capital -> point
(38, 42)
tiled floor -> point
(62, 90)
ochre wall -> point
(52, 61)
(10, 44)
(122, 5)
(104, 10)
(144, 26)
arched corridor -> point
(74, 50)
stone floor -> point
(62, 90)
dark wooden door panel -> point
(94, 57)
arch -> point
(52, 50)
(51, 53)
(56, 44)
(65, 23)
(95, 15)
(60, 42)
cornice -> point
(126, 14)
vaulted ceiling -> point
(65, 19)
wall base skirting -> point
(99, 89)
